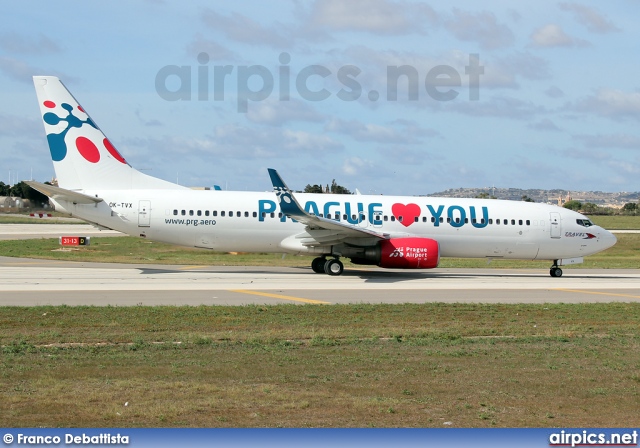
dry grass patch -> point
(344, 365)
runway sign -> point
(75, 240)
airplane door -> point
(377, 219)
(144, 214)
(556, 224)
(362, 222)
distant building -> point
(7, 202)
(564, 200)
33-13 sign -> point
(74, 240)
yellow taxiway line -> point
(279, 296)
(580, 291)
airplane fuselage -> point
(253, 222)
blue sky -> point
(557, 104)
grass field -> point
(617, 222)
(56, 218)
(625, 254)
(323, 366)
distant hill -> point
(547, 196)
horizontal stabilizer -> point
(58, 193)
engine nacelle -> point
(401, 253)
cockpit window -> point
(584, 222)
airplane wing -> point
(322, 231)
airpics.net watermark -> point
(256, 83)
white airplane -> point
(96, 184)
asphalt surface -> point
(26, 282)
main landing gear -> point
(332, 266)
(555, 271)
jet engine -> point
(398, 253)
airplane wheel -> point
(318, 265)
(333, 267)
(555, 272)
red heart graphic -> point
(408, 212)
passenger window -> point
(175, 212)
(199, 212)
(215, 213)
(183, 213)
(280, 215)
(490, 220)
(246, 214)
(513, 222)
(520, 222)
(255, 214)
(393, 218)
(386, 218)
(272, 214)
(222, 213)
(190, 212)
(527, 222)
(505, 222)
(206, 213)
(415, 219)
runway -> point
(31, 231)
(26, 282)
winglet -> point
(288, 203)
(291, 208)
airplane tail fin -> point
(83, 157)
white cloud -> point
(554, 92)
(554, 36)
(545, 125)
(305, 141)
(482, 27)
(373, 16)
(593, 20)
(243, 29)
(611, 103)
(12, 125)
(23, 72)
(624, 141)
(368, 132)
(213, 49)
(276, 113)
(354, 166)
(18, 44)
(497, 106)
